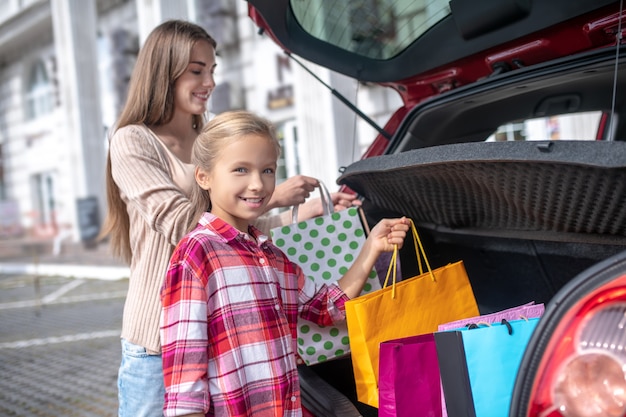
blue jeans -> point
(140, 385)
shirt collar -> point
(227, 231)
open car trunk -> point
(526, 217)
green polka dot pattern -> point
(325, 248)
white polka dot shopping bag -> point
(324, 247)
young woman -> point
(231, 298)
(149, 178)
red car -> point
(508, 152)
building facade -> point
(64, 70)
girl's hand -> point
(389, 232)
(382, 238)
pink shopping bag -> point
(529, 311)
(409, 379)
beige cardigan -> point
(154, 184)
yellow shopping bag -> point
(411, 307)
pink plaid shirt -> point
(228, 324)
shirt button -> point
(277, 307)
(293, 398)
(262, 261)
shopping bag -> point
(411, 307)
(478, 365)
(324, 247)
(528, 310)
(409, 380)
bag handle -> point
(419, 249)
(327, 203)
(504, 322)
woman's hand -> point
(342, 201)
(293, 191)
(314, 208)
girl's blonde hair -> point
(218, 133)
(162, 59)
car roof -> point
(400, 42)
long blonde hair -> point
(162, 59)
(218, 133)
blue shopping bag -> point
(479, 364)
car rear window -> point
(574, 126)
(378, 29)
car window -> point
(576, 126)
(377, 29)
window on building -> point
(43, 200)
(289, 161)
(3, 195)
(281, 166)
(39, 92)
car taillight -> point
(582, 372)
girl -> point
(231, 298)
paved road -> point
(59, 345)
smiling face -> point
(195, 85)
(242, 180)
